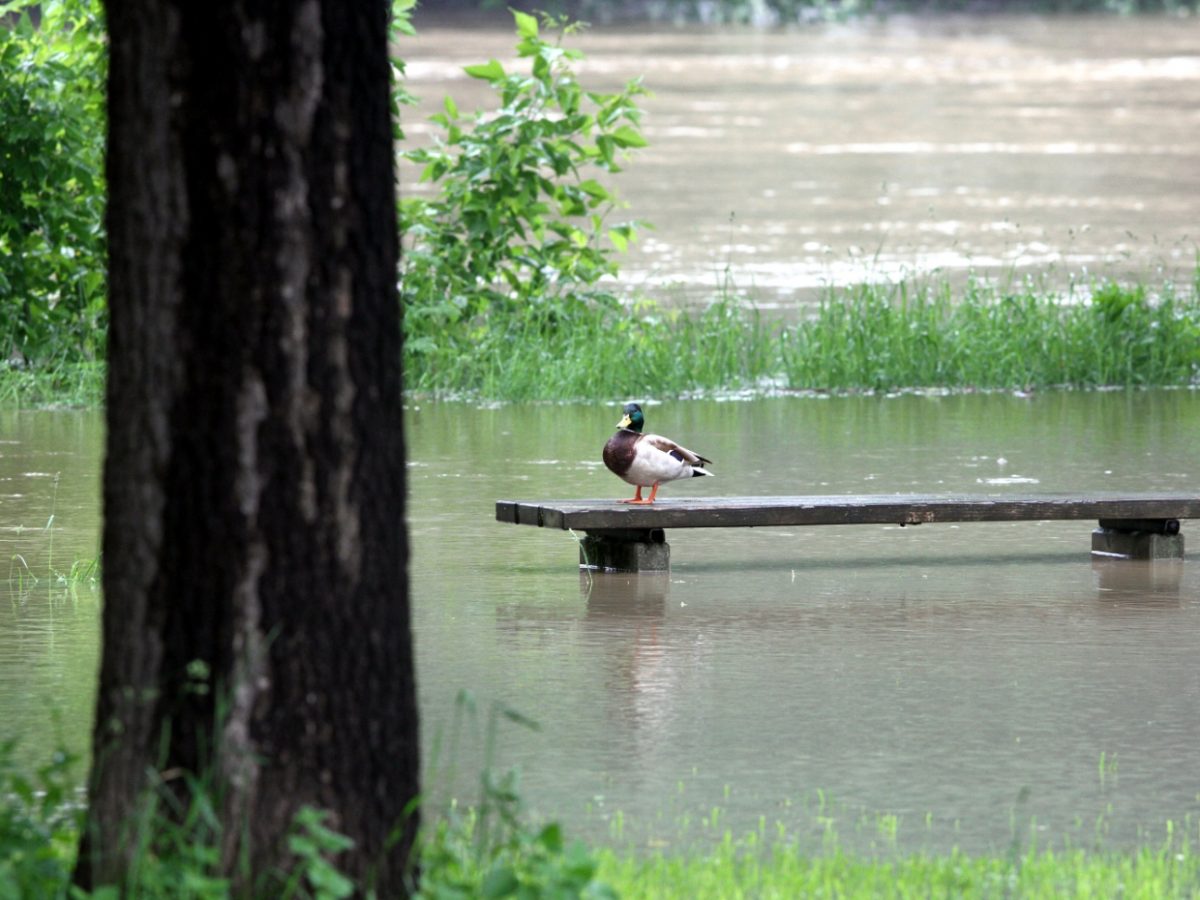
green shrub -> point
(52, 250)
(178, 842)
(491, 850)
(515, 232)
(39, 825)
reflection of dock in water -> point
(645, 658)
(1138, 583)
(622, 595)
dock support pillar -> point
(625, 550)
(1138, 539)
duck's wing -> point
(683, 454)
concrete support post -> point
(626, 550)
(1134, 544)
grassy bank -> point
(862, 338)
(496, 852)
(52, 384)
(869, 337)
(529, 863)
(728, 874)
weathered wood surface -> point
(885, 509)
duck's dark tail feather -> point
(696, 473)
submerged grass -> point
(57, 383)
(868, 337)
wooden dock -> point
(628, 537)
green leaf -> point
(527, 25)
(401, 16)
(595, 189)
(329, 882)
(618, 239)
(551, 837)
(519, 718)
(450, 106)
(628, 136)
(499, 882)
(489, 71)
(605, 145)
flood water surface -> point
(49, 615)
(1064, 148)
(917, 688)
(962, 684)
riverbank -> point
(871, 337)
(39, 832)
(866, 338)
(730, 873)
(57, 383)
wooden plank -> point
(879, 509)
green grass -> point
(731, 872)
(59, 383)
(495, 851)
(599, 353)
(864, 338)
(986, 338)
(908, 335)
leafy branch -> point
(517, 221)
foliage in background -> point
(504, 294)
(53, 302)
(514, 235)
(400, 27)
(508, 276)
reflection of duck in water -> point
(648, 460)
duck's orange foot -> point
(637, 497)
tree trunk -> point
(256, 621)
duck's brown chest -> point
(619, 452)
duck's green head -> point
(633, 418)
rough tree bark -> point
(256, 622)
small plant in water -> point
(491, 850)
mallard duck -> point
(648, 460)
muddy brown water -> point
(1060, 149)
(916, 688)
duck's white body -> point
(657, 459)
